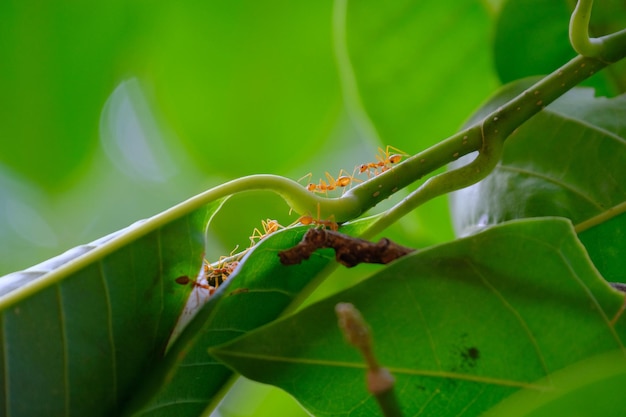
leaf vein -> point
(516, 314)
(588, 125)
(107, 298)
(5, 346)
(393, 370)
(546, 178)
(64, 341)
(593, 299)
(431, 341)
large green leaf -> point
(55, 77)
(606, 245)
(189, 379)
(257, 74)
(413, 81)
(79, 331)
(562, 162)
(569, 160)
(524, 26)
(521, 31)
(587, 388)
(461, 326)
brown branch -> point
(349, 251)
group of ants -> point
(216, 273)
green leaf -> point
(569, 160)
(461, 326)
(606, 245)
(189, 379)
(591, 387)
(259, 76)
(79, 331)
(520, 48)
(411, 78)
(56, 75)
(522, 28)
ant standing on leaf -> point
(219, 272)
(384, 161)
(184, 280)
(214, 274)
(202, 291)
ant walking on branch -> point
(384, 161)
(324, 186)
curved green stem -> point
(488, 156)
(294, 194)
(486, 137)
(579, 31)
(607, 48)
(483, 137)
(489, 135)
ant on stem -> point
(384, 161)
(343, 180)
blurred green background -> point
(114, 111)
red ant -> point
(269, 226)
(216, 275)
(310, 220)
(185, 280)
(384, 161)
(343, 180)
(307, 220)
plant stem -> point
(579, 30)
(485, 137)
(488, 136)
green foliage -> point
(383, 50)
(573, 169)
(588, 387)
(93, 320)
(52, 56)
(531, 39)
(511, 319)
(189, 379)
(464, 322)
